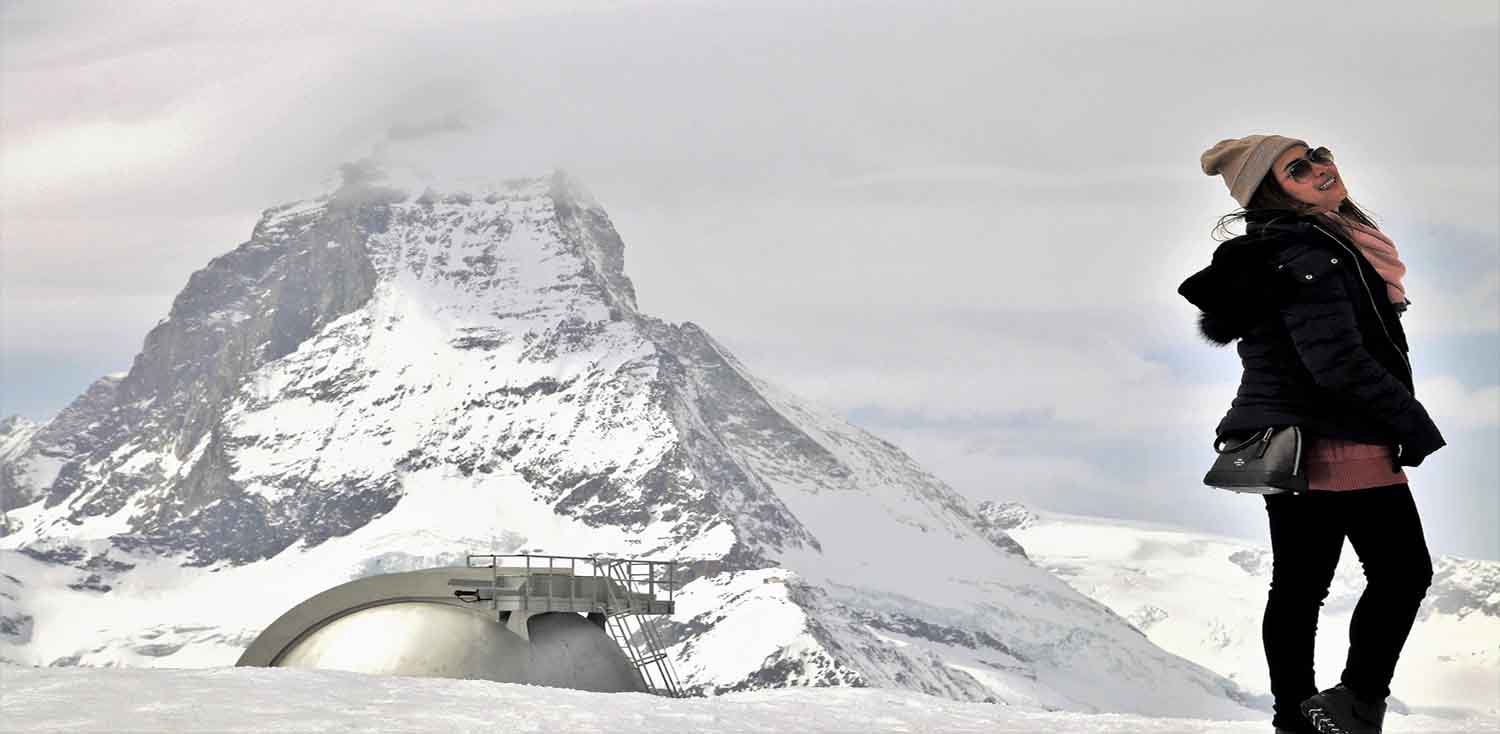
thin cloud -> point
(969, 217)
(446, 124)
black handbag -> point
(1267, 461)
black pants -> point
(1307, 534)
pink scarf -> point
(1379, 250)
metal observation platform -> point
(586, 622)
(619, 600)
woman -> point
(1313, 292)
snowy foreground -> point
(282, 700)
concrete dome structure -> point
(453, 623)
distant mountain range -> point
(1202, 597)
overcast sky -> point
(960, 225)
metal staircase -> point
(642, 644)
(622, 595)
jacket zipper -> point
(1297, 453)
(1374, 305)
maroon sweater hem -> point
(1339, 465)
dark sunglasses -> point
(1301, 168)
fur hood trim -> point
(1237, 289)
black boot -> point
(1338, 711)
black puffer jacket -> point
(1321, 344)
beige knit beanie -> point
(1243, 162)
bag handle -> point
(1257, 436)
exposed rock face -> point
(15, 625)
(1005, 515)
(995, 518)
(33, 458)
(378, 381)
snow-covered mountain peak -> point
(385, 378)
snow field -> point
(282, 700)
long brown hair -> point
(1270, 197)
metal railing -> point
(625, 591)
